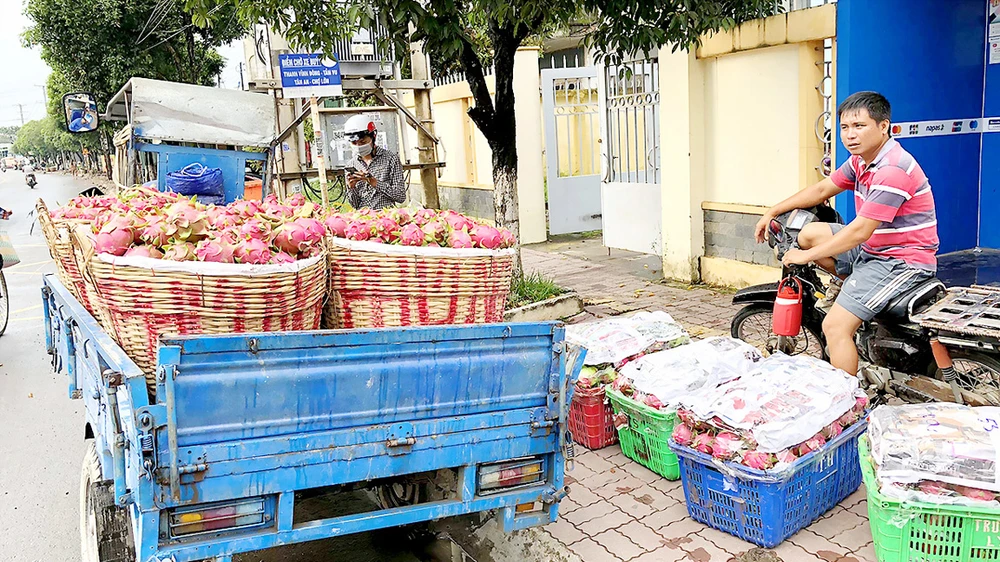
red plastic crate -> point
(591, 419)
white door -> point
(630, 135)
(571, 113)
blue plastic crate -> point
(763, 507)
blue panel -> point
(989, 234)
(231, 162)
(928, 60)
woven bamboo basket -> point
(59, 238)
(143, 299)
(376, 285)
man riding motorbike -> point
(888, 248)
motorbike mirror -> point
(80, 111)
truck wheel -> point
(105, 529)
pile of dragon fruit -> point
(423, 227)
(714, 437)
(170, 227)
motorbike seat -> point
(926, 293)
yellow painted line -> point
(26, 309)
(30, 318)
(22, 265)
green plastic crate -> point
(646, 438)
(927, 532)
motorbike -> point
(29, 178)
(897, 348)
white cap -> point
(358, 125)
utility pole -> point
(420, 67)
(20, 108)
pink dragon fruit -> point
(282, 257)
(244, 209)
(653, 402)
(435, 231)
(315, 231)
(507, 239)
(456, 220)
(115, 236)
(296, 200)
(686, 416)
(411, 235)
(253, 251)
(620, 420)
(336, 224)
(787, 456)
(181, 251)
(401, 216)
(848, 419)
(704, 443)
(585, 382)
(185, 222)
(424, 216)
(727, 444)
(155, 232)
(485, 236)
(682, 435)
(860, 403)
(214, 251)
(291, 238)
(387, 229)
(359, 230)
(934, 488)
(256, 228)
(814, 443)
(460, 239)
(144, 252)
(833, 430)
(306, 211)
(975, 493)
(759, 460)
(277, 214)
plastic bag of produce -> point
(942, 442)
(616, 339)
(782, 402)
(673, 373)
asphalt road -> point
(41, 429)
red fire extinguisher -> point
(787, 317)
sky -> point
(24, 72)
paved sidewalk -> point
(618, 510)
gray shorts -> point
(873, 281)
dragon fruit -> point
(507, 239)
(214, 251)
(387, 229)
(686, 416)
(833, 430)
(485, 236)
(435, 231)
(144, 252)
(787, 456)
(291, 238)
(848, 419)
(115, 236)
(296, 200)
(934, 488)
(244, 209)
(155, 232)
(814, 443)
(185, 222)
(456, 220)
(256, 228)
(359, 230)
(653, 402)
(460, 239)
(424, 216)
(282, 257)
(336, 224)
(682, 434)
(620, 420)
(181, 251)
(727, 444)
(975, 493)
(315, 231)
(759, 460)
(860, 403)
(401, 216)
(411, 235)
(704, 443)
(252, 250)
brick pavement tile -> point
(860, 509)
(832, 526)
(619, 459)
(662, 554)
(653, 497)
(579, 472)
(632, 506)
(567, 505)
(790, 552)
(582, 495)
(619, 487)
(835, 510)
(725, 541)
(592, 511)
(610, 520)
(641, 472)
(642, 535)
(865, 553)
(855, 498)
(609, 451)
(672, 522)
(700, 549)
(854, 538)
(619, 544)
(602, 478)
(815, 544)
(590, 551)
(594, 462)
(564, 532)
(666, 486)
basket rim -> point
(770, 476)
(627, 402)
(418, 251)
(874, 493)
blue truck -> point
(209, 465)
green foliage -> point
(44, 138)
(531, 288)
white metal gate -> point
(572, 124)
(630, 131)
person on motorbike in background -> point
(888, 248)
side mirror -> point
(80, 111)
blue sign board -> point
(305, 75)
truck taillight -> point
(517, 473)
(217, 517)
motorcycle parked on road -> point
(29, 176)
(895, 347)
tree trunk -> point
(505, 191)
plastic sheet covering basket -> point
(145, 298)
(379, 285)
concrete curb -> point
(555, 308)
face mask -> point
(363, 150)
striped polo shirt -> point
(894, 190)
